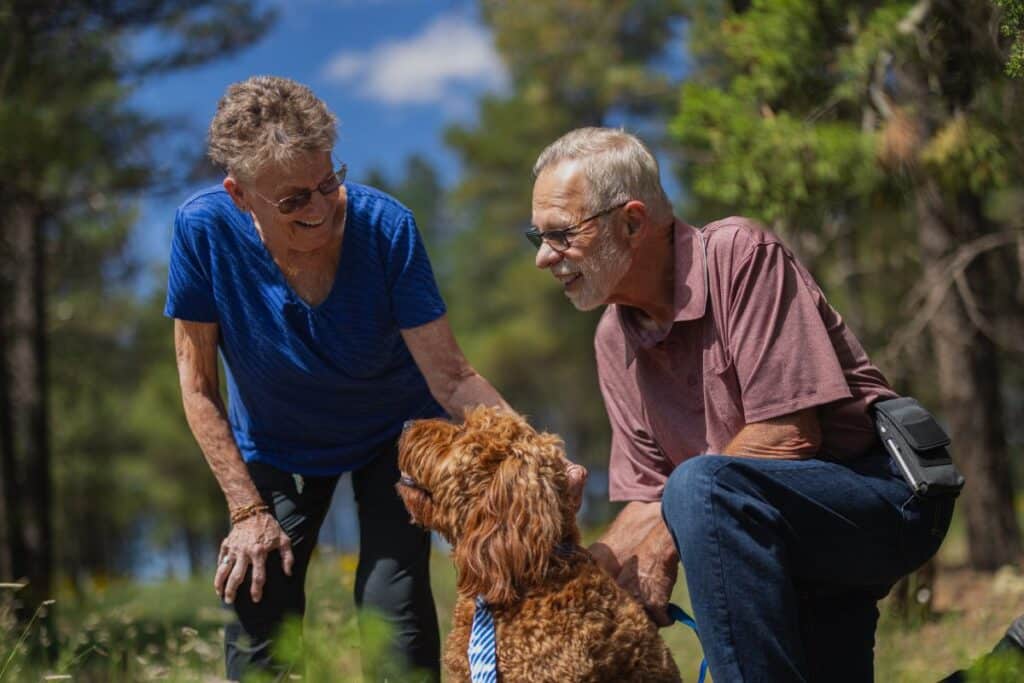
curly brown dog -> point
(497, 491)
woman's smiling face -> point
(307, 228)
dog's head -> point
(497, 490)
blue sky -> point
(395, 72)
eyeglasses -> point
(300, 199)
(559, 239)
(409, 482)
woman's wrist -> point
(244, 512)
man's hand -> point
(650, 574)
(637, 551)
(624, 534)
(249, 543)
(605, 558)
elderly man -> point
(742, 436)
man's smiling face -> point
(596, 259)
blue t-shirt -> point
(311, 390)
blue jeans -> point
(786, 559)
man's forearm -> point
(791, 437)
(206, 417)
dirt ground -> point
(970, 613)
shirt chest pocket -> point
(714, 350)
(724, 409)
(672, 384)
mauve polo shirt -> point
(753, 338)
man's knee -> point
(688, 490)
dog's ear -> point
(511, 532)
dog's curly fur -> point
(498, 492)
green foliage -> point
(315, 651)
(775, 46)
(1003, 667)
(965, 153)
(1012, 27)
(808, 85)
(876, 31)
(775, 166)
(804, 114)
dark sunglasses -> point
(300, 199)
(559, 239)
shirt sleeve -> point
(779, 343)
(189, 285)
(415, 299)
(637, 468)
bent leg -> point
(837, 628)
(737, 572)
(769, 544)
(393, 577)
(248, 641)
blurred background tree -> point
(72, 156)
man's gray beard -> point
(610, 264)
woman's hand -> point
(249, 543)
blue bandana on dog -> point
(483, 651)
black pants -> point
(392, 577)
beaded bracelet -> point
(247, 511)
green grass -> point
(172, 630)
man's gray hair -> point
(617, 165)
(268, 120)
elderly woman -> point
(319, 296)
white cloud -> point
(422, 69)
(345, 66)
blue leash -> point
(677, 613)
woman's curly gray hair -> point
(268, 120)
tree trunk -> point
(12, 548)
(27, 373)
(968, 379)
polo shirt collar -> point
(690, 297)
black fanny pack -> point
(919, 446)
